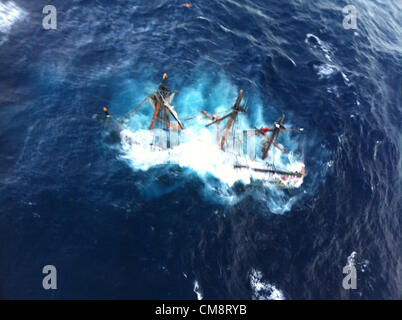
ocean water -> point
(115, 228)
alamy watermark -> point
(350, 280)
(350, 20)
(49, 21)
(50, 280)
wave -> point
(316, 42)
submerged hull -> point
(147, 146)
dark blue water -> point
(67, 199)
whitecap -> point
(312, 39)
(315, 41)
(345, 77)
(10, 13)
(351, 260)
(360, 264)
(197, 290)
(325, 70)
(262, 290)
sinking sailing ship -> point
(166, 128)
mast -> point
(158, 105)
(163, 98)
(170, 111)
(233, 115)
(278, 128)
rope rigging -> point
(132, 112)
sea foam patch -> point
(197, 290)
(262, 290)
(10, 13)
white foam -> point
(345, 77)
(353, 261)
(325, 70)
(10, 13)
(199, 151)
(292, 61)
(197, 290)
(310, 35)
(322, 45)
(263, 290)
